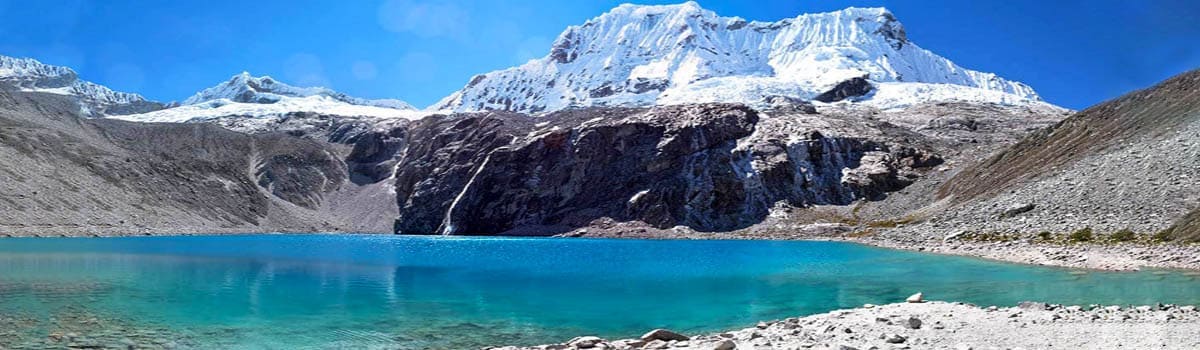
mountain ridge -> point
(247, 88)
(637, 55)
(28, 74)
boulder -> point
(663, 334)
(916, 298)
(1016, 209)
(585, 342)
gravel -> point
(951, 326)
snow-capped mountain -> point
(253, 104)
(28, 74)
(644, 55)
(244, 88)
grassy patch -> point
(1081, 235)
(1124, 235)
(1162, 236)
(991, 237)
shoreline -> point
(938, 325)
(1088, 256)
(1128, 256)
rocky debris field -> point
(1114, 257)
(940, 325)
(1142, 186)
(1126, 256)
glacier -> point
(637, 55)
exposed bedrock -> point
(710, 167)
(853, 87)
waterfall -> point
(447, 221)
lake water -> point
(359, 291)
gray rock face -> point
(710, 167)
(443, 154)
(375, 155)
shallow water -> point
(356, 291)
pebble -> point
(913, 323)
(951, 326)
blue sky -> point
(1074, 53)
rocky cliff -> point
(708, 167)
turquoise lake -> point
(364, 291)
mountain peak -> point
(32, 75)
(246, 88)
(628, 9)
(636, 55)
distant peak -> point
(246, 88)
(32, 75)
(688, 6)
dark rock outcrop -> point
(375, 155)
(854, 87)
(790, 104)
(692, 165)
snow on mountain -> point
(643, 55)
(28, 74)
(254, 103)
(244, 88)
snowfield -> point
(224, 107)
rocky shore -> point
(1123, 256)
(1097, 256)
(941, 325)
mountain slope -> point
(643, 55)
(94, 100)
(1129, 163)
(64, 175)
